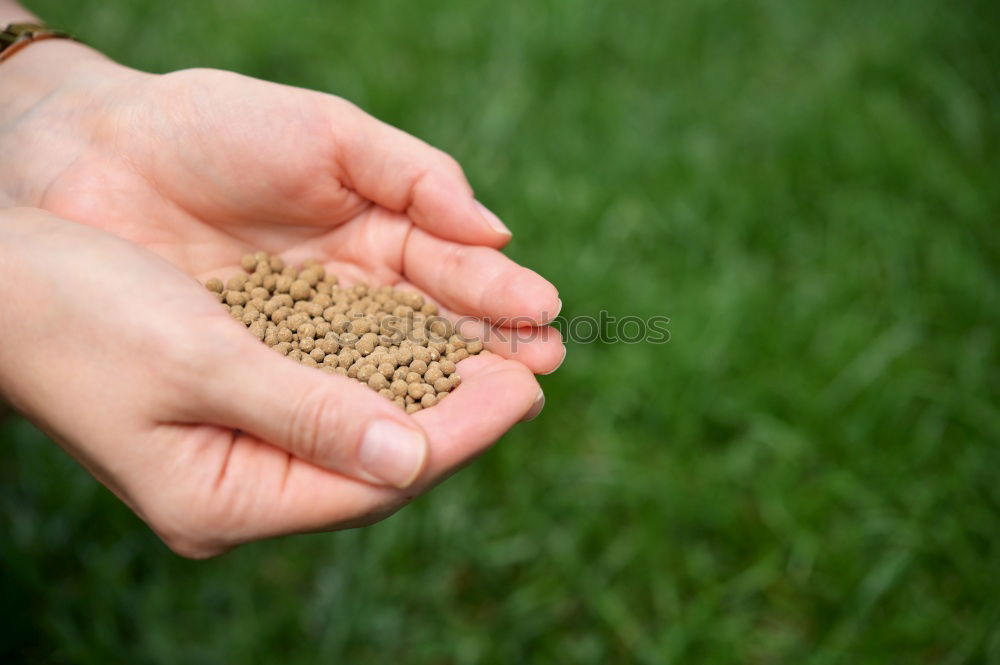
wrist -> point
(36, 69)
(41, 68)
(57, 94)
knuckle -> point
(183, 531)
(449, 164)
(382, 511)
(345, 107)
(315, 419)
(192, 549)
(454, 260)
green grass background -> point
(808, 472)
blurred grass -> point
(807, 471)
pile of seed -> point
(389, 339)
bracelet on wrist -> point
(17, 36)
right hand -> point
(212, 438)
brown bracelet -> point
(16, 36)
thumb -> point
(329, 420)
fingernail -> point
(536, 408)
(392, 453)
(492, 219)
(561, 361)
(550, 319)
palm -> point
(206, 171)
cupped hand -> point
(201, 166)
(212, 438)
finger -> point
(495, 395)
(225, 489)
(539, 348)
(460, 430)
(479, 281)
(291, 496)
(329, 420)
(404, 174)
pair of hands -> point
(121, 188)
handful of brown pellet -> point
(389, 339)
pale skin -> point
(121, 190)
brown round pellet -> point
(237, 282)
(235, 298)
(299, 289)
(366, 371)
